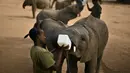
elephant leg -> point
(33, 11)
(72, 65)
(93, 64)
(90, 67)
(33, 8)
(53, 3)
(61, 64)
(87, 70)
(98, 64)
(49, 3)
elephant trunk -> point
(24, 4)
(27, 3)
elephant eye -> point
(82, 38)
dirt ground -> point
(15, 22)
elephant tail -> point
(26, 4)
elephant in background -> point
(40, 4)
(60, 4)
(63, 15)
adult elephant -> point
(60, 4)
(89, 35)
(63, 15)
(40, 4)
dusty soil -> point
(15, 23)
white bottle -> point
(64, 40)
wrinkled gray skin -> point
(89, 35)
(63, 15)
(60, 4)
(40, 4)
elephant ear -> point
(74, 36)
(92, 46)
(75, 39)
(85, 39)
(93, 42)
(80, 39)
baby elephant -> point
(63, 15)
(40, 4)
